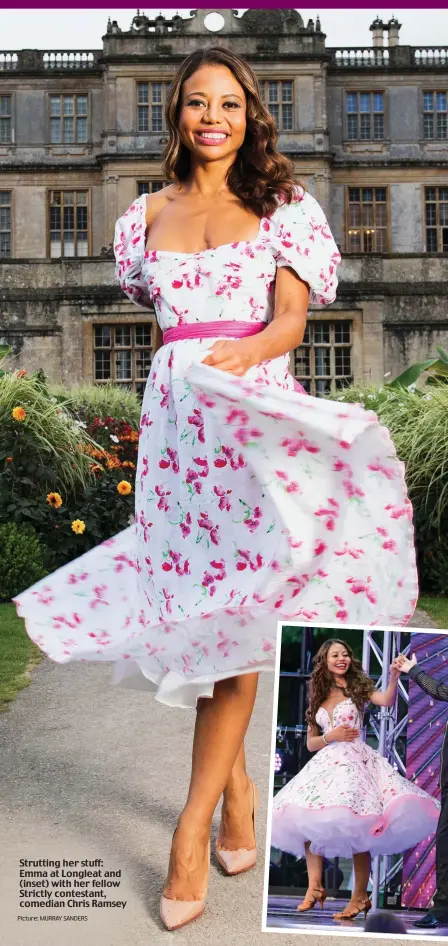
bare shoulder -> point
(157, 201)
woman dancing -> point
(254, 502)
(348, 800)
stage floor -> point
(282, 914)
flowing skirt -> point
(349, 799)
(254, 504)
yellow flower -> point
(55, 500)
(78, 526)
(19, 413)
(124, 488)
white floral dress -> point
(348, 799)
(254, 502)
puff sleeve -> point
(129, 250)
(302, 239)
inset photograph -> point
(358, 819)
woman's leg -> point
(237, 829)
(361, 863)
(314, 866)
(221, 724)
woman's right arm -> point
(342, 733)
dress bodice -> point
(235, 281)
(346, 712)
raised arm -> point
(387, 697)
(426, 683)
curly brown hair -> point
(359, 685)
(260, 177)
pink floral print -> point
(349, 799)
(254, 502)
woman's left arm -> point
(387, 697)
(281, 336)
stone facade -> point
(355, 122)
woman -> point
(254, 502)
(348, 800)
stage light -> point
(279, 759)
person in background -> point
(438, 915)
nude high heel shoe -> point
(311, 899)
(241, 860)
(177, 913)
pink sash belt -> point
(212, 330)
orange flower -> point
(96, 468)
(54, 500)
(113, 463)
(19, 413)
(22, 373)
(124, 488)
(9, 459)
(78, 526)
(129, 464)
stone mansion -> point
(82, 133)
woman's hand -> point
(232, 356)
(395, 669)
(344, 733)
(406, 664)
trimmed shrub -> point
(22, 561)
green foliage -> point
(22, 560)
(104, 400)
(435, 368)
(60, 462)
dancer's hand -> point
(395, 669)
(232, 356)
(406, 664)
(344, 733)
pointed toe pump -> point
(177, 913)
(243, 859)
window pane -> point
(428, 101)
(431, 215)
(5, 218)
(81, 129)
(81, 104)
(364, 101)
(441, 101)
(444, 215)
(322, 361)
(143, 96)
(68, 105)
(354, 194)
(380, 240)
(378, 127)
(123, 335)
(5, 106)
(102, 365)
(352, 127)
(444, 246)
(273, 91)
(322, 387)
(367, 215)
(354, 241)
(365, 127)
(156, 119)
(123, 366)
(142, 363)
(301, 362)
(143, 120)
(342, 332)
(321, 333)
(378, 102)
(68, 129)
(5, 131)
(342, 361)
(431, 193)
(274, 112)
(428, 126)
(431, 240)
(287, 117)
(380, 195)
(367, 195)
(55, 131)
(5, 245)
(142, 334)
(55, 106)
(5, 198)
(443, 193)
(368, 241)
(102, 336)
(81, 198)
(354, 215)
(287, 91)
(381, 215)
(156, 91)
(441, 127)
(352, 102)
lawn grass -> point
(437, 608)
(18, 655)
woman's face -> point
(212, 118)
(338, 660)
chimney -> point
(377, 29)
(394, 28)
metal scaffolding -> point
(384, 723)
